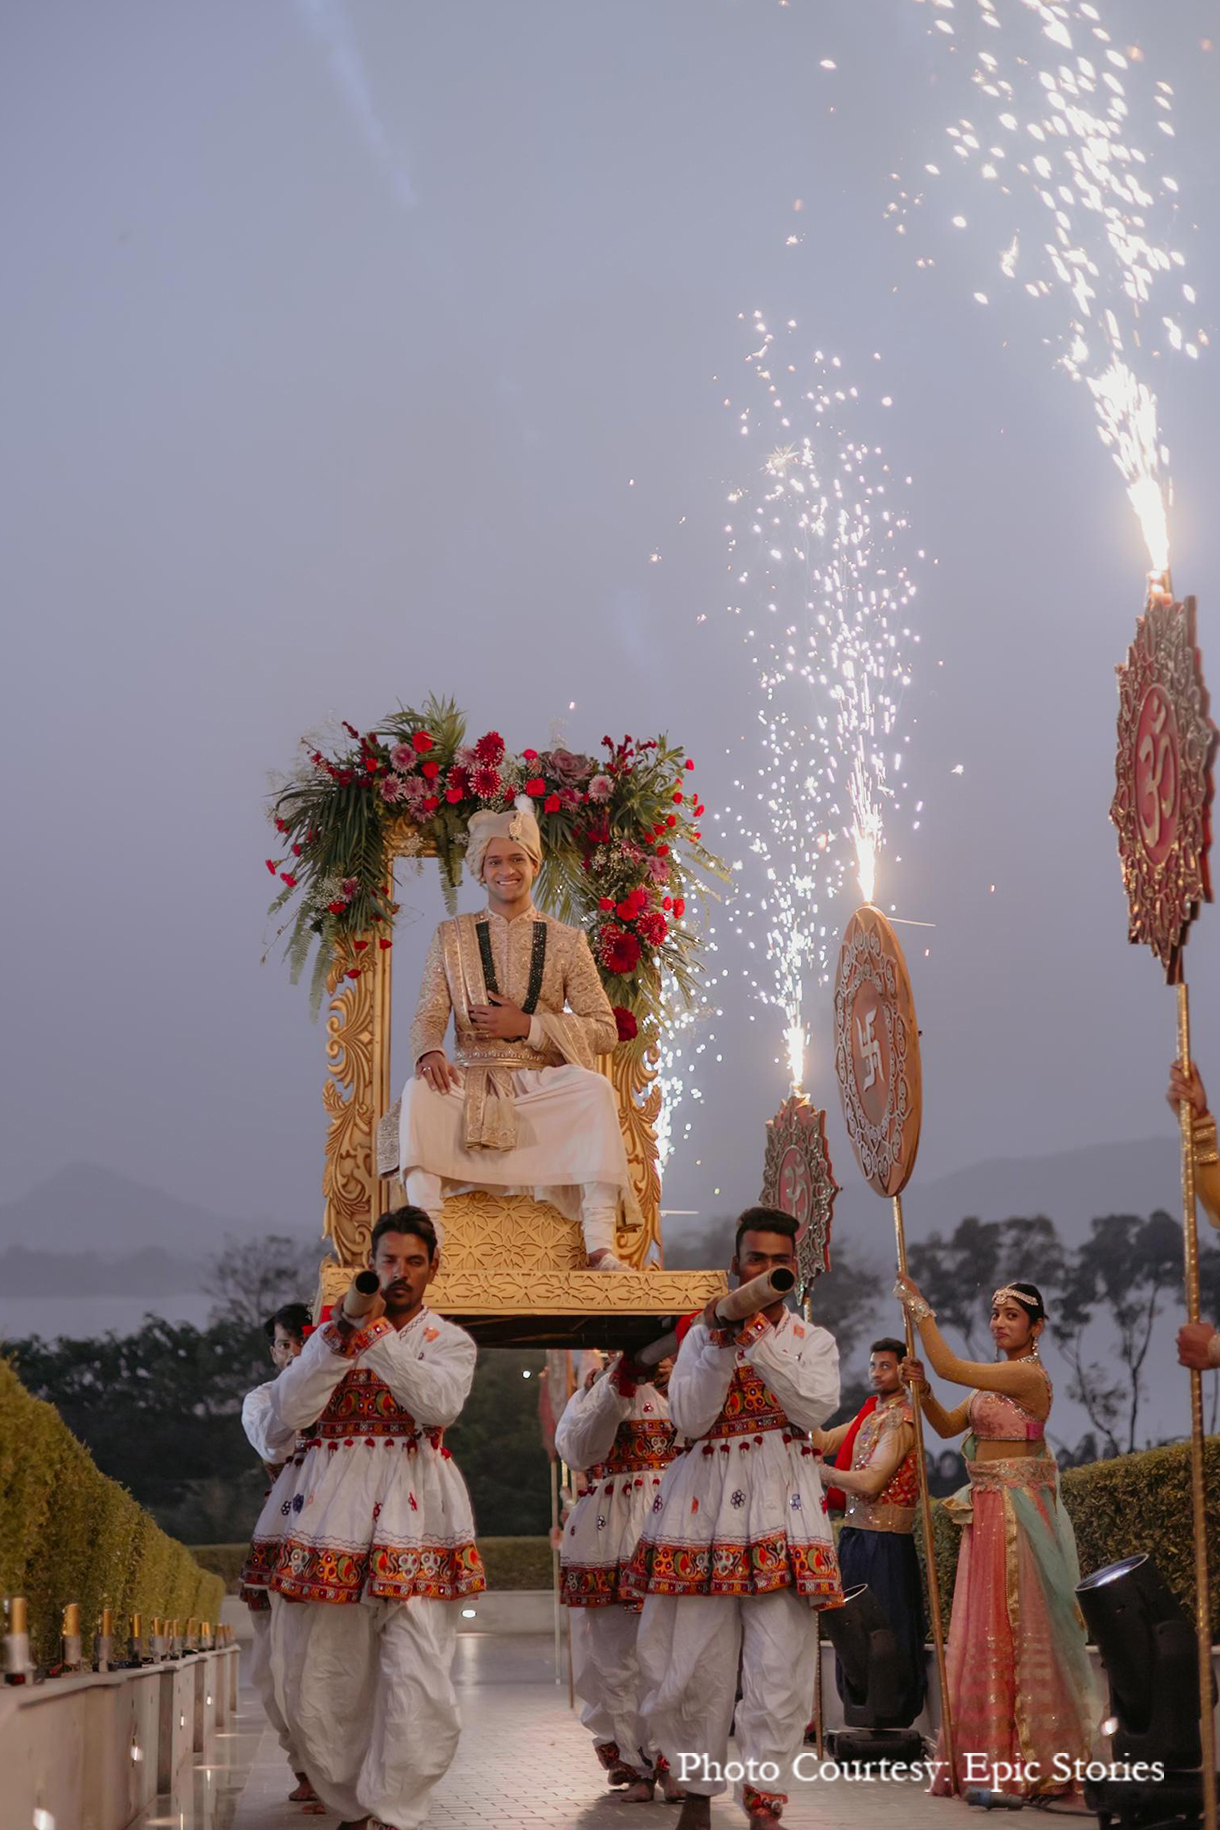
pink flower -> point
(393, 790)
(403, 758)
(486, 783)
(415, 794)
(658, 870)
(601, 788)
(464, 756)
(350, 886)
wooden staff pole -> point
(820, 1742)
(555, 1559)
(1190, 1247)
(925, 1511)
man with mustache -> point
(366, 1542)
(522, 1107)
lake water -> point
(87, 1317)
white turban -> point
(517, 822)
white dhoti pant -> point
(606, 1677)
(262, 1678)
(367, 1693)
(689, 1647)
(569, 1149)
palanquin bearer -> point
(287, 1331)
(616, 1431)
(522, 1107)
(366, 1543)
(737, 1551)
(876, 1472)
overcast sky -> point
(332, 338)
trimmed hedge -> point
(1118, 1507)
(67, 1533)
(511, 1563)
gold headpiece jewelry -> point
(1007, 1293)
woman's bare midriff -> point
(1002, 1449)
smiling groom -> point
(521, 1109)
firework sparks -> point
(1064, 119)
(816, 550)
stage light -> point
(872, 1680)
(1147, 1647)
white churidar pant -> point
(569, 1148)
(688, 1650)
(368, 1696)
(262, 1678)
(606, 1677)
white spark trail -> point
(330, 25)
(1064, 118)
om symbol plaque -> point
(1163, 787)
(798, 1180)
(877, 1052)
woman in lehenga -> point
(1020, 1689)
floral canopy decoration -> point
(621, 833)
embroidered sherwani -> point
(737, 1550)
(366, 1544)
(533, 1114)
(877, 1545)
(619, 1435)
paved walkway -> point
(525, 1763)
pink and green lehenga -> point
(1020, 1687)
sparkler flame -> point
(817, 549)
(1062, 124)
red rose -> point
(667, 902)
(353, 972)
(297, 850)
(431, 804)
(671, 819)
(529, 756)
(490, 749)
(535, 785)
(271, 864)
(281, 825)
(678, 797)
(336, 908)
(679, 908)
(551, 804)
(384, 944)
(360, 945)
(653, 927)
(627, 911)
(371, 764)
(696, 834)
(430, 771)
(628, 1028)
(421, 742)
(663, 851)
(453, 796)
(605, 903)
(288, 878)
(699, 810)
(690, 762)
(618, 950)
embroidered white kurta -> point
(741, 1511)
(271, 1440)
(371, 1503)
(624, 1444)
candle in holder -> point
(192, 1634)
(17, 1643)
(71, 1637)
(158, 1639)
(175, 1639)
(135, 1645)
(103, 1642)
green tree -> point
(959, 1274)
(1122, 1273)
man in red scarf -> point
(878, 1486)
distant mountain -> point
(84, 1208)
(151, 1273)
(1071, 1188)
